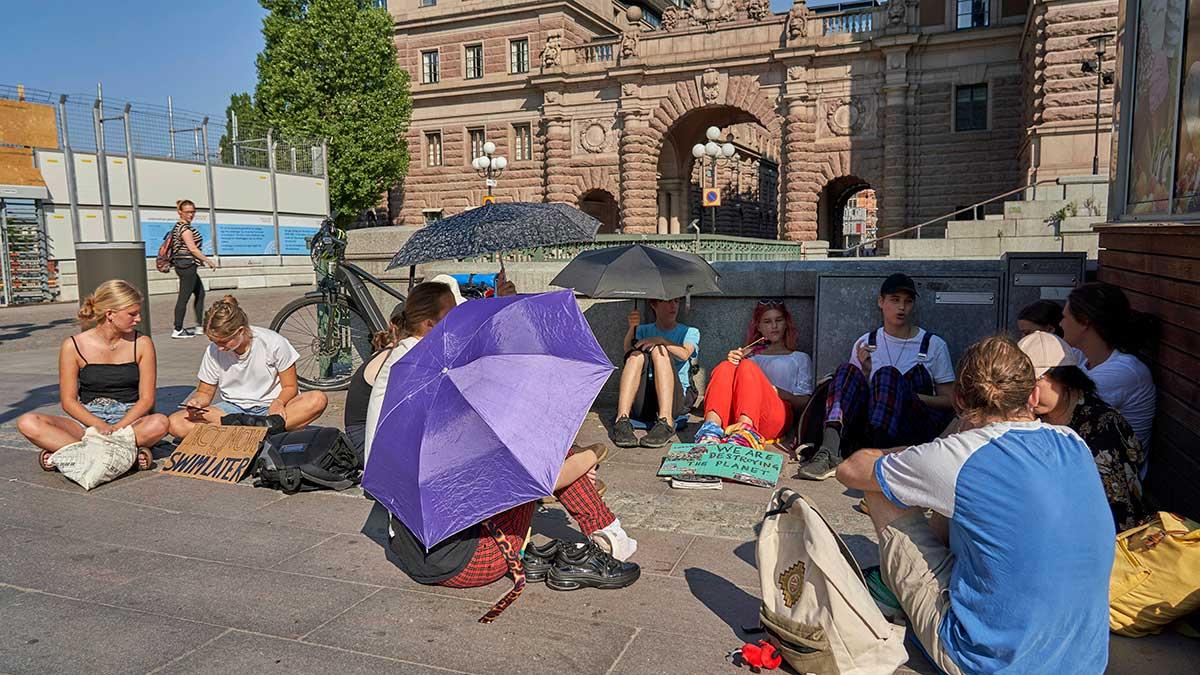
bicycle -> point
(332, 326)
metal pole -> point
(274, 193)
(1099, 89)
(196, 150)
(293, 159)
(5, 273)
(233, 134)
(713, 183)
(102, 169)
(171, 125)
(208, 179)
(69, 160)
(325, 173)
(133, 186)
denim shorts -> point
(108, 410)
(235, 409)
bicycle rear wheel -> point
(333, 341)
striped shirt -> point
(180, 249)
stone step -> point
(992, 247)
(1035, 209)
(971, 229)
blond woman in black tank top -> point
(106, 378)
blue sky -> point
(143, 50)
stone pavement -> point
(158, 574)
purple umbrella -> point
(478, 416)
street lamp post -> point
(714, 151)
(488, 166)
(1096, 65)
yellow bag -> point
(1156, 575)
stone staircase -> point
(232, 274)
(1022, 226)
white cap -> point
(1046, 351)
(453, 284)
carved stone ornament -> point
(897, 12)
(629, 89)
(795, 72)
(593, 137)
(629, 45)
(711, 12)
(797, 21)
(672, 18)
(552, 98)
(710, 86)
(552, 52)
(845, 116)
(758, 9)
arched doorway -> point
(846, 209)
(749, 183)
(601, 205)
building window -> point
(431, 215)
(431, 72)
(428, 3)
(433, 149)
(518, 56)
(474, 62)
(379, 4)
(477, 138)
(971, 107)
(972, 13)
(522, 142)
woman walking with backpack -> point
(186, 258)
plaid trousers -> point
(889, 404)
(488, 565)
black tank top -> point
(358, 396)
(118, 381)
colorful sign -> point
(724, 460)
(712, 196)
(242, 239)
(293, 239)
(221, 454)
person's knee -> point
(660, 355)
(885, 372)
(178, 424)
(30, 424)
(156, 425)
(318, 400)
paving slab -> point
(193, 496)
(728, 559)
(328, 512)
(47, 634)
(69, 566)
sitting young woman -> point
(758, 390)
(1068, 398)
(254, 371)
(106, 378)
(1043, 315)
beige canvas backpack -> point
(816, 605)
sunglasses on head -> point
(771, 302)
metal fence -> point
(166, 132)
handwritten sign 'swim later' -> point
(221, 454)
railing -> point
(603, 50)
(710, 247)
(852, 250)
(851, 22)
(598, 53)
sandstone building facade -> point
(933, 104)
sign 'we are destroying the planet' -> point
(723, 460)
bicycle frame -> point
(350, 278)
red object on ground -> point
(744, 389)
(761, 655)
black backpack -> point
(308, 459)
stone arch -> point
(597, 178)
(642, 136)
(601, 205)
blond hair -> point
(995, 379)
(113, 295)
(184, 202)
(224, 318)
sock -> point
(831, 440)
(746, 437)
(709, 432)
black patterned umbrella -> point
(497, 227)
(637, 271)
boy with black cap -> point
(898, 384)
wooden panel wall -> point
(1158, 266)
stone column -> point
(893, 196)
(801, 184)
(639, 208)
(558, 156)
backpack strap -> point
(923, 352)
(872, 339)
(514, 566)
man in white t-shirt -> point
(898, 386)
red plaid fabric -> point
(889, 404)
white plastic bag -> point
(97, 458)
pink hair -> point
(791, 336)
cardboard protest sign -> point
(221, 454)
(724, 460)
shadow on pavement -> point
(34, 399)
(737, 608)
(17, 331)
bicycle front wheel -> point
(333, 341)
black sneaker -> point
(539, 559)
(659, 435)
(622, 433)
(587, 566)
(822, 466)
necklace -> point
(887, 348)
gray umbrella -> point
(497, 227)
(637, 271)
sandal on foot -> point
(145, 460)
(44, 461)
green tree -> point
(328, 70)
(250, 128)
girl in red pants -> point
(755, 393)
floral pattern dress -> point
(1118, 455)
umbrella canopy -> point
(478, 416)
(497, 227)
(638, 271)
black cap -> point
(897, 283)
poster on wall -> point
(1156, 70)
(156, 223)
(293, 233)
(1187, 171)
(245, 238)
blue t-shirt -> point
(680, 335)
(1032, 536)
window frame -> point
(516, 141)
(987, 107)
(428, 145)
(958, 14)
(467, 61)
(428, 3)
(471, 151)
(512, 60)
(433, 76)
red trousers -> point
(744, 389)
(488, 565)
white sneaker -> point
(182, 334)
(615, 541)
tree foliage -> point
(250, 126)
(329, 70)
